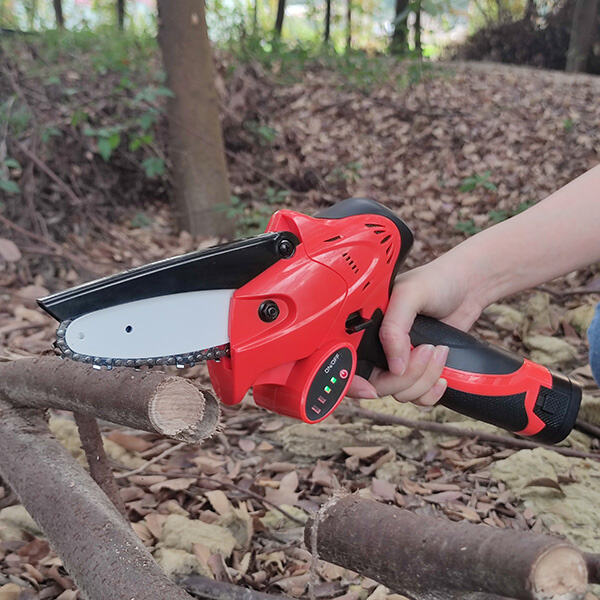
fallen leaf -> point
(177, 484)
(9, 251)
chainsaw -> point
(294, 314)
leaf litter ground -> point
(464, 147)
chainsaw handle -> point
(492, 385)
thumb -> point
(395, 328)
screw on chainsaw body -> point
(268, 311)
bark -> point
(399, 42)
(121, 14)
(91, 442)
(583, 32)
(195, 138)
(531, 10)
(99, 549)
(60, 20)
(215, 590)
(279, 18)
(327, 21)
(593, 565)
(348, 25)
(417, 27)
(150, 401)
(255, 17)
(434, 559)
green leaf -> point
(141, 140)
(114, 139)
(8, 186)
(11, 163)
(49, 133)
(153, 166)
(468, 227)
(147, 119)
(104, 148)
(78, 117)
(496, 216)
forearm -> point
(556, 236)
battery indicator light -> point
(327, 389)
(333, 380)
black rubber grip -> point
(557, 406)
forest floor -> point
(453, 148)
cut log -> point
(98, 547)
(150, 401)
(434, 559)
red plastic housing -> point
(340, 267)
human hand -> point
(439, 289)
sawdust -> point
(66, 433)
(562, 492)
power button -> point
(344, 374)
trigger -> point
(356, 322)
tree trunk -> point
(417, 27)
(60, 20)
(279, 19)
(399, 42)
(433, 559)
(327, 21)
(583, 32)
(121, 14)
(255, 17)
(530, 10)
(348, 25)
(196, 140)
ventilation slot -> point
(366, 285)
(373, 225)
(350, 262)
(379, 231)
(337, 237)
(385, 239)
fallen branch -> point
(216, 590)
(98, 547)
(434, 559)
(593, 565)
(91, 442)
(453, 430)
(150, 401)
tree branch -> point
(150, 401)
(434, 559)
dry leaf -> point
(179, 483)
(363, 452)
(9, 251)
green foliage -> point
(140, 220)
(7, 185)
(474, 181)
(251, 218)
(468, 227)
(107, 139)
(568, 124)
(154, 166)
(264, 134)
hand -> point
(439, 289)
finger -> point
(394, 332)
(388, 383)
(428, 379)
(361, 388)
(433, 395)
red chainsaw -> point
(294, 314)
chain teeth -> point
(180, 360)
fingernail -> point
(440, 386)
(365, 391)
(397, 366)
(440, 355)
(424, 353)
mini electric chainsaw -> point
(294, 314)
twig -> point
(149, 463)
(460, 432)
(588, 428)
(46, 169)
(56, 247)
(91, 442)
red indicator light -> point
(344, 374)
